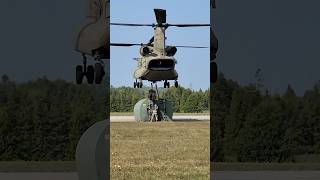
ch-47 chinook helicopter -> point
(157, 62)
(92, 40)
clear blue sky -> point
(193, 64)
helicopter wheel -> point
(213, 72)
(176, 84)
(90, 74)
(99, 73)
(134, 84)
(79, 74)
(140, 84)
(166, 84)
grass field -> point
(160, 150)
(177, 114)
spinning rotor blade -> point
(151, 41)
(161, 16)
(125, 44)
(192, 46)
(135, 44)
(188, 25)
(129, 24)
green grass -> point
(37, 166)
(160, 150)
(131, 113)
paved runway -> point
(184, 118)
(39, 176)
(266, 175)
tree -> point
(5, 78)
(220, 101)
(244, 100)
(191, 104)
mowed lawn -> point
(160, 150)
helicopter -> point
(93, 40)
(156, 62)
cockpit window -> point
(161, 63)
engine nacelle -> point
(171, 50)
(144, 50)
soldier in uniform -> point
(152, 105)
(154, 116)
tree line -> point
(43, 120)
(123, 99)
(252, 125)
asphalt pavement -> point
(39, 176)
(218, 175)
(265, 175)
(180, 118)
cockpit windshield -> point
(161, 63)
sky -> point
(37, 38)
(193, 64)
(280, 37)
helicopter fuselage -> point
(156, 68)
(94, 35)
(157, 62)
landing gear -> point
(93, 74)
(99, 71)
(90, 74)
(166, 84)
(176, 84)
(79, 74)
(213, 72)
(137, 84)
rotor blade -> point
(192, 46)
(125, 44)
(129, 24)
(136, 59)
(161, 16)
(151, 41)
(188, 25)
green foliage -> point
(123, 99)
(248, 126)
(43, 120)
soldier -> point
(149, 110)
(152, 98)
(154, 116)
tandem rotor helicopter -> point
(157, 62)
(93, 40)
